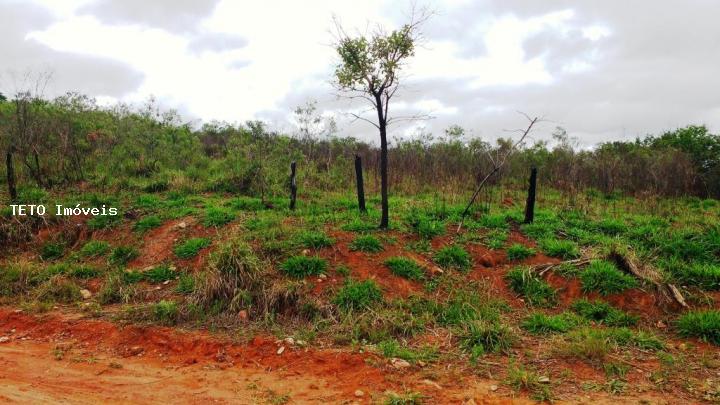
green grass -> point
(52, 251)
(535, 290)
(358, 295)
(542, 324)
(147, 223)
(84, 272)
(564, 249)
(95, 248)
(453, 257)
(602, 312)
(315, 239)
(186, 284)
(496, 238)
(604, 277)
(406, 398)
(425, 227)
(303, 266)
(215, 216)
(393, 349)
(160, 274)
(166, 312)
(404, 267)
(481, 336)
(366, 243)
(191, 247)
(122, 255)
(519, 252)
(359, 225)
(703, 275)
(704, 325)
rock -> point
(86, 294)
(305, 252)
(660, 324)
(166, 282)
(359, 393)
(323, 276)
(4, 339)
(182, 225)
(281, 350)
(290, 341)
(399, 363)
(543, 379)
(493, 388)
(243, 315)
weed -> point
(52, 251)
(481, 336)
(496, 238)
(147, 223)
(453, 256)
(217, 217)
(541, 324)
(95, 248)
(366, 243)
(190, 247)
(407, 398)
(315, 239)
(534, 289)
(58, 289)
(603, 312)
(602, 276)
(404, 267)
(357, 295)
(116, 290)
(122, 255)
(392, 348)
(700, 324)
(160, 274)
(358, 225)
(186, 284)
(703, 275)
(519, 252)
(425, 227)
(564, 249)
(84, 272)
(521, 378)
(303, 266)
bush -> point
(160, 274)
(366, 243)
(191, 247)
(704, 325)
(519, 252)
(52, 251)
(481, 336)
(122, 255)
(541, 324)
(302, 266)
(95, 248)
(147, 223)
(215, 216)
(315, 239)
(603, 277)
(535, 290)
(453, 257)
(602, 312)
(404, 267)
(564, 249)
(357, 295)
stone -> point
(543, 379)
(493, 388)
(86, 294)
(281, 350)
(290, 341)
(359, 393)
(399, 363)
(4, 339)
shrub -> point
(564, 249)
(603, 312)
(315, 239)
(147, 223)
(603, 277)
(166, 312)
(357, 295)
(215, 216)
(404, 267)
(535, 290)
(95, 248)
(191, 247)
(701, 324)
(481, 336)
(52, 251)
(541, 324)
(366, 243)
(302, 266)
(453, 257)
(122, 255)
(519, 252)
(160, 274)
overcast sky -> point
(604, 70)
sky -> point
(603, 70)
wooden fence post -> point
(530, 206)
(293, 186)
(360, 186)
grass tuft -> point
(604, 277)
(535, 290)
(453, 257)
(519, 252)
(357, 295)
(366, 243)
(303, 266)
(404, 267)
(704, 325)
(191, 247)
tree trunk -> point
(360, 185)
(293, 186)
(384, 219)
(530, 206)
(10, 169)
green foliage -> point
(58, 289)
(423, 226)
(703, 275)
(52, 251)
(564, 249)
(392, 348)
(191, 247)
(122, 255)
(602, 312)
(147, 223)
(496, 238)
(494, 221)
(540, 324)
(366, 243)
(453, 257)
(536, 291)
(603, 277)
(186, 284)
(358, 225)
(95, 248)
(704, 325)
(406, 398)
(404, 267)
(315, 239)
(165, 312)
(303, 266)
(84, 272)
(160, 274)
(481, 336)
(519, 252)
(520, 377)
(215, 216)
(103, 222)
(358, 295)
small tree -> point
(369, 67)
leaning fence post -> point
(530, 206)
(360, 186)
(293, 186)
